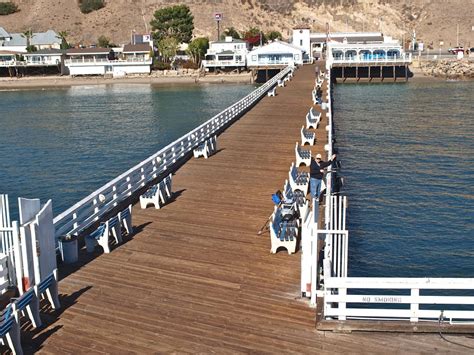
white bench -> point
(303, 156)
(101, 235)
(125, 218)
(49, 287)
(307, 136)
(281, 83)
(206, 148)
(158, 194)
(27, 303)
(283, 233)
(272, 92)
(10, 330)
(297, 197)
(313, 118)
(298, 180)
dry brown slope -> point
(433, 20)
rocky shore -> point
(449, 69)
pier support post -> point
(357, 72)
(394, 75)
(381, 72)
(370, 78)
(406, 72)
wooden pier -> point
(196, 277)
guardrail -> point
(372, 298)
(101, 61)
(91, 208)
(405, 59)
(402, 298)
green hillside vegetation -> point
(88, 6)
(7, 8)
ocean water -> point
(407, 153)
(63, 144)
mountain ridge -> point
(433, 20)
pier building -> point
(356, 55)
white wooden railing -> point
(91, 208)
(398, 298)
(101, 61)
(405, 58)
(372, 298)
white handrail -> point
(90, 209)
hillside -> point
(433, 20)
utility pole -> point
(218, 17)
(457, 35)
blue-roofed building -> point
(41, 40)
(4, 35)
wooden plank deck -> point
(196, 277)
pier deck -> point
(196, 277)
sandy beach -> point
(43, 82)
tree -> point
(273, 35)
(231, 32)
(168, 47)
(62, 36)
(255, 37)
(173, 21)
(87, 6)
(197, 49)
(29, 35)
(7, 8)
(103, 42)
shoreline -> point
(56, 81)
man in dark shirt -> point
(316, 174)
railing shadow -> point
(33, 339)
(85, 257)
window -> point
(254, 58)
(297, 57)
(301, 42)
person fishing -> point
(316, 174)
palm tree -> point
(28, 35)
(62, 36)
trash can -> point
(68, 248)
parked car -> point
(455, 50)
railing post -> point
(414, 305)
(342, 305)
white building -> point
(46, 57)
(349, 46)
(276, 53)
(132, 59)
(229, 53)
(17, 41)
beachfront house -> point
(48, 57)
(7, 58)
(131, 59)
(275, 54)
(17, 41)
(227, 54)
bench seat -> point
(303, 156)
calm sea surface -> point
(407, 153)
(63, 144)
(408, 159)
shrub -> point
(161, 65)
(186, 64)
(7, 8)
(88, 6)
